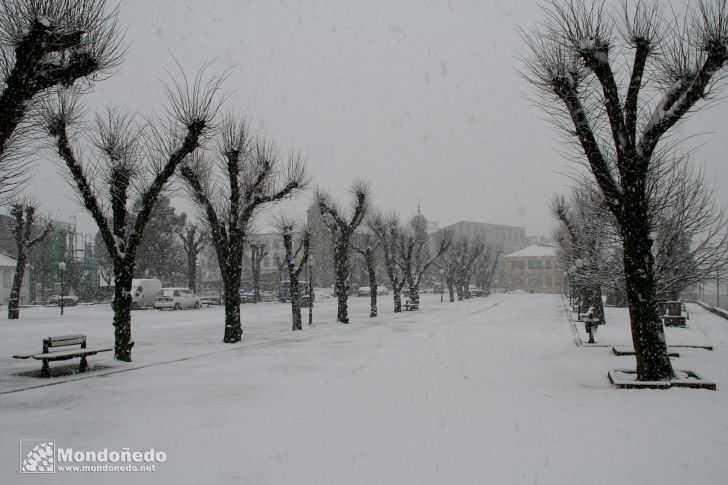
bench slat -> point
(65, 340)
(68, 354)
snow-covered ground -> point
(491, 390)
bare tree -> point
(193, 240)
(258, 251)
(366, 246)
(296, 259)
(126, 152)
(243, 177)
(47, 43)
(388, 231)
(486, 267)
(414, 257)
(690, 233)
(460, 260)
(24, 215)
(575, 63)
(581, 248)
(341, 230)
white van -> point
(143, 292)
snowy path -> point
(487, 391)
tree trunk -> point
(192, 270)
(369, 258)
(256, 283)
(233, 326)
(342, 274)
(397, 301)
(123, 342)
(295, 301)
(230, 272)
(648, 335)
(14, 302)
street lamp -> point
(310, 291)
(442, 288)
(62, 269)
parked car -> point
(475, 291)
(176, 298)
(247, 296)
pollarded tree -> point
(486, 267)
(459, 261)
(414, 257)
(576, 63)
(193, 240)
(366, 246)
(47, 43)
(126, 152)
(387, 230)
(258, 251)
(244, 176)
(296, 259)
(24, 215)
(581, 247)
(342, 229)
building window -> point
(516, 265)
(547, 264)
(535, 264)
(534, 282)
(7, 279)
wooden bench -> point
(48, 354)
(409, 306)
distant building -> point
(501, 238)
(507, 238)
(272, 266)
(534, 269)
(7, 267)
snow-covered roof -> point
(7, 261)
(541, 249)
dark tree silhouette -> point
(47, 43)
(575, 63)
(251, 179)
(296, 258)
(127, 152)
(366, 246)
(258, 251)
(388, 231)
(24, 215)
(193, 240)
(342, 230)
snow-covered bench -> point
(409, 306)
(48, 354)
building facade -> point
(535, 269)
(7, 268)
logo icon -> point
(38, 456)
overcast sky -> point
(422, 99)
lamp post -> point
(62, 269)
(442, 288)
(310, 291)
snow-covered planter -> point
(627, 379)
